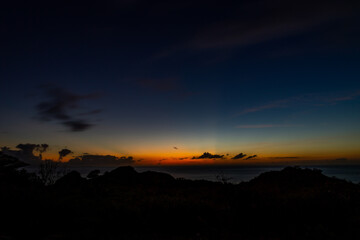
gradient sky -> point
(164, 81)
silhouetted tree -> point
(93, 174)
(222, 178)
(63, 153)
(41, 148)
(50, 171)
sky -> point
(167, 81)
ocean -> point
(234, 174)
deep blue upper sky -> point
(139, 77)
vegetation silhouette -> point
(293, 203)
(93, 174)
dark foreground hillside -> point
(293, 203)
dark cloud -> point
(284, 157)
(61, 105)
(101, 160)
(77, 125)
(250, 157)
(92, 112)
(175, 148)
(63, 153)
(207, 155)
(239, 156)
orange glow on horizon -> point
(186, 158)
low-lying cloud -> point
(239, 156)
(250, 157)
(207, 155)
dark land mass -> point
(293, 203)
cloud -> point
(258, 22)
(304, 100)
(250, 157)
(239, 156)
(175, 148)
(267, 126)
(207, 155)
(92, 112)
(284, 157)
(345, 97)
(61, 105)
(77, 125)
(275, 104)
(281, 20)
(101, 160)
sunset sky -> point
(166, 81)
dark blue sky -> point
(272, 78)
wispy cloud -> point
(306, 99)
(346, 97)
(240, 35)
(267, 126)
(59, 105)
(283, 19)
(275, 104)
